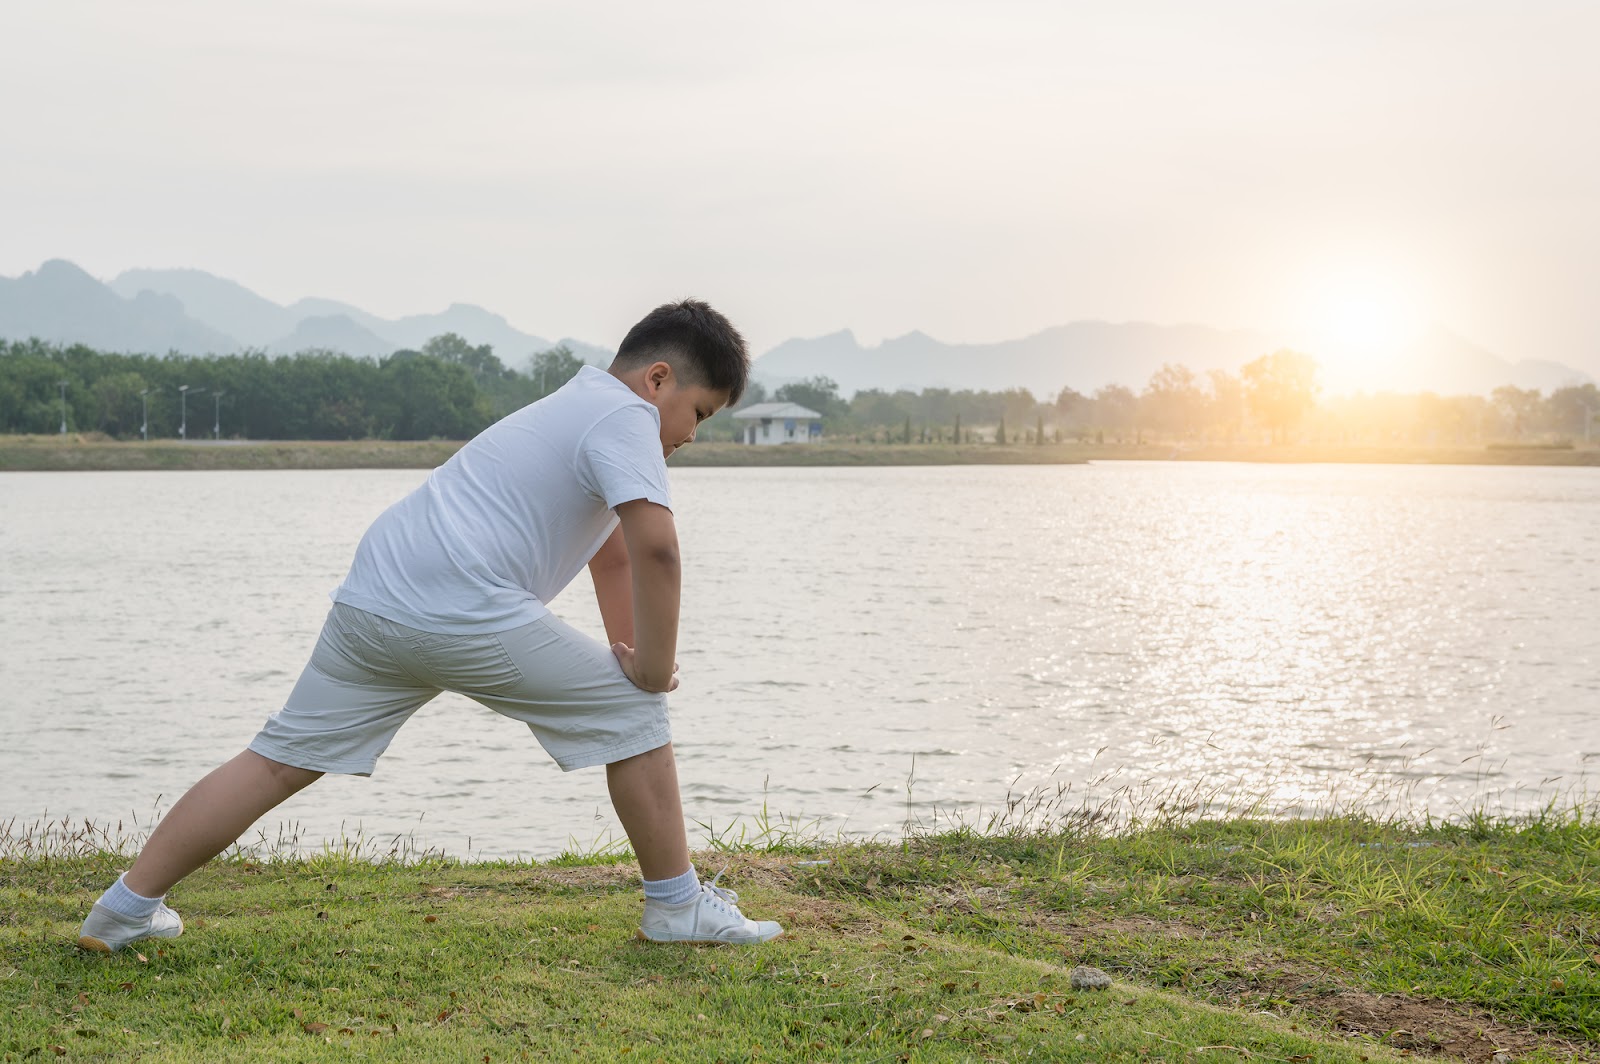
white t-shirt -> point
(497, 531)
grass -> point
(1336, 938)
(92, 451)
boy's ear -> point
(656, 374)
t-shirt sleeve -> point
(620, 459)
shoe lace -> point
(723, 897)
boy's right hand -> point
(629, 662)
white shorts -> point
(367, 675)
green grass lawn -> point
(93, 452)
(1319, 940)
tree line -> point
(450, 389)
(1274, 398)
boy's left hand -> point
(628, 661)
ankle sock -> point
(674, 891)
(119, 899)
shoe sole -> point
(642, 936)
(89, 942)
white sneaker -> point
(711, 916)
(106, 932)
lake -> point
(859, 646)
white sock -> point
(674, 891)
(119, 899)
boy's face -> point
(682, 407)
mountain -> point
(333, 332)
(1439, 356)
(475, 325)
(1085, 355)
(221, 304)
(61, 303)
(1089, 355)
(231, 308)
(254, 321)
(197, 313)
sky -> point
(1340, 171)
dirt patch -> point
(1421, 1025)
(610, 877)
(1075, 931)
(1428, 1025)
(454, 892)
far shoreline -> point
(87, 453)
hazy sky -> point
(976, 171)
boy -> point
(448, 591)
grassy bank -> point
(1325, 940)
(18, 453)
(51, 453)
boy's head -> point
(686, 360)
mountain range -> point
(1089, 355)
(194, 312)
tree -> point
(1000, 432)
(428, 398)
(551, 369)
(818, 393)
(1518, 406)
(1280, 389)
(1116, 408)
(1225, 404)
(1574, 409)
(479, 360)
(1173, 400)
(754, 392)
(115, 399)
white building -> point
(778, 423)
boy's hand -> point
(626, 658)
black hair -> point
(700, 344)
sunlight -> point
(1361, 324)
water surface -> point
(866, 643)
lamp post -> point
(216, 415)
(63, 385)
(183, 425)
(144, 415)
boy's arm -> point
(613, 587)
(651, 539)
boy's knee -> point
(657, 754)
(287, 775)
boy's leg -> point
(568, 688)
(677, 908)
(211, 817)
(206, 820)
(644, 791)
(349, 701)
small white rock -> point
(1084, 977)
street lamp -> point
(216, 415)
(183, 425)
(63, 406)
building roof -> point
(776, 410)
